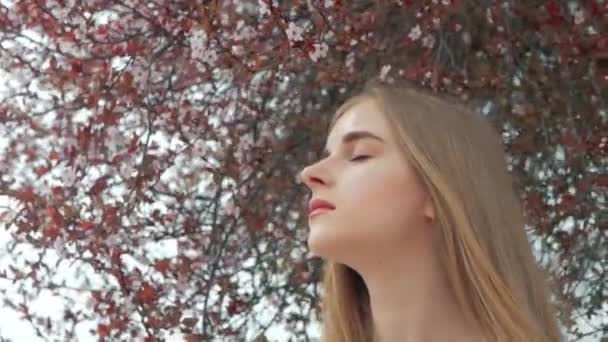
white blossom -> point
(518, 109)
(198, 43)
(198, 39)
(115, 140)
(384, 71)
(60, 11)
(415, 33)
(200, 49)
(294, 32)
(502, 48)
(428, 41)
(264, 9)
(489, 16)
(67, 46)
(224, 19)
(200, 149)
(266, 131)
(68, 176)
(238, 50)
(243, 32)
(246, 171)
(579, 16)
(210, 56)
(436, 22)
(126, 168)
(320, 51)
(231, 208)
(140, 73)
(350, 61)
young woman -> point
(422, 234)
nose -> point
(309, 176)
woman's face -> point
(380, 206)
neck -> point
(411, 301)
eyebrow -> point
(353, 136)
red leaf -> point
(235, 306)
(601, 43)
(76, 66)
(601, 180)
(553, 8)
(534, 203)
(594, 10)
(57, 191)
(42, 170)
(69, 36)
(99, 186)
(555, 17)
(110, 118)
(259, 222)
(84, 136)
(189, 322)
(54, 155)
(133, 144)
(186, 25)
(86, 225)
(102, 30)
(53, 63)
(162, 265)
(147, 294)
(55, 216)
(103, 331)
(566, 203)
(26, 195)
(52, 232)
(133, 47)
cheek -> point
(372, 214)
(393, 203)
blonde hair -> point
(481, 240)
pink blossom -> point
(320, 51)
(428, 41)
(415, 33)
(243, 32)
(201, 52)
(264, 9)
(294, 32)
(384, 71)
(579, 16)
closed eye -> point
(358, 158)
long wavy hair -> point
(481, 239)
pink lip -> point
(317, 203)
(319, 211)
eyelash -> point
(358, 158)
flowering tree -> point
(150, 148)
